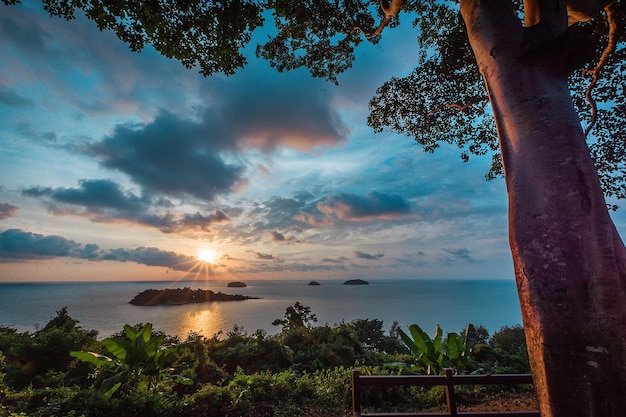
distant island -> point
(237, 284)
(313, 283)
(180, 296)
(356, 282)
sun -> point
(207, 255)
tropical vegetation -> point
(304, 370)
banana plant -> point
(140, 357)
(456, 350)
(434, 354)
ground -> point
(513, 401)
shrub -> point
(303, 368)
(31, 357)
(437, 353)
(331, 387)
(475, 335)
(256, 353)
(209, 401)
(509, 339)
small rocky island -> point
(180, 296)
(356, 282)
(236, 284)
(313, 283)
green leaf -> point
(162, 355)
(118, 347)
(92, 357)
(409, 342)
(438, 339)
(456, 347)
(130, 332)
(182, 380)
(110, 385)
(145, 332)
(422, 341)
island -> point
(180, 296)
(236, 284)
(313, 283)
(356, 282)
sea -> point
(104, 306)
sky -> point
(127, 166)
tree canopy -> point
(442, 101)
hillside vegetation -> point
(304, 370)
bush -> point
(209, 401)
(32, 359)
(400, 399)
(256, 353)
(330, 387)
(475, 335)
(266, 386)
(303, 370)
(509, 339)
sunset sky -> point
(124, 166)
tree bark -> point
(570, 263)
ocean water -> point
(104, 306)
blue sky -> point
(122, 166)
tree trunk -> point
(570, 263)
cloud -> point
(16, 244)
(455, 255)
(278, 237)
(151, 257)
(172, 157)
(41, 45)
(374, 205)
(10, 98)
(274, 130)
(94, 195)
(339, 260)
(103, 201)
(412, 259)
(365, 255)
(286, 110)
(350, 207)
(264, 256)
(281, 238)
(202, 221)
(7, 210)
(314, 220)
(15, 28)
(278, 212)
(297, 219)
(273, 216)
(277, 267)
(89, 251)
(258, 106)
(206, 156)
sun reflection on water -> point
(207, 322)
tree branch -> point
(584, 10)
(595, 73)
(550, 13)
(391, 10)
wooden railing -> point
(448, 380)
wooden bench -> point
(449, 380)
